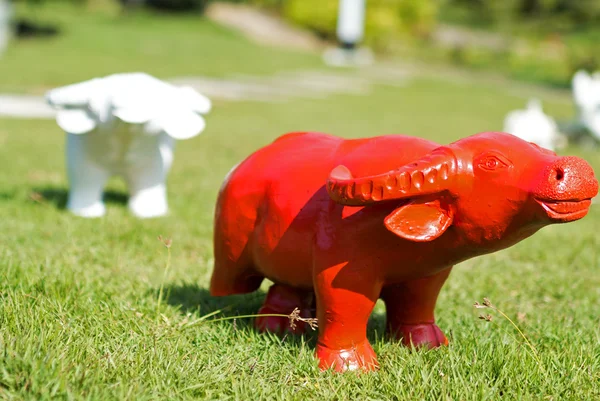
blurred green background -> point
(535, 40)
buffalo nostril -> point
(559, 174)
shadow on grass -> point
(59, 196)
(191, 298)
(6, 196)
(26, 28)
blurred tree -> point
(569, 12)
(177, 5)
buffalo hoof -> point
(358, 358)
(420, 335)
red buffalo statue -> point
(337, 224)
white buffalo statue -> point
(533, 125)
(125, 125)
(586, 93)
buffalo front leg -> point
(86, 179)
(147, 176)
(148, 190)
(148, 202)
(410, 310)
(282, 300)
(345, 300)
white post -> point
(350, 32)
(5, 16)
(351, 22)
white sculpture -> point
(533, 125)
(6, 12)
(126, 125)
(586, 92)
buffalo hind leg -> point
(410, 311)
(231, 278)
(282, 300)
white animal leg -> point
(147, 181)
(86, 180)
(148, 202)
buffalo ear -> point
(419, 222)
(182, 124)
(76, 121)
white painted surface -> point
(351, 21)
(533, 125)
(125, 125)
(6, 12)
(586, 93)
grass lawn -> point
(79, 316)
(97, 40)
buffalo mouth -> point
(565, 210)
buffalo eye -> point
(492, 162)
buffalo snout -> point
(567, 179)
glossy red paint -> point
(352, 221)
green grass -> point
(78, 309)
(97, 40)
